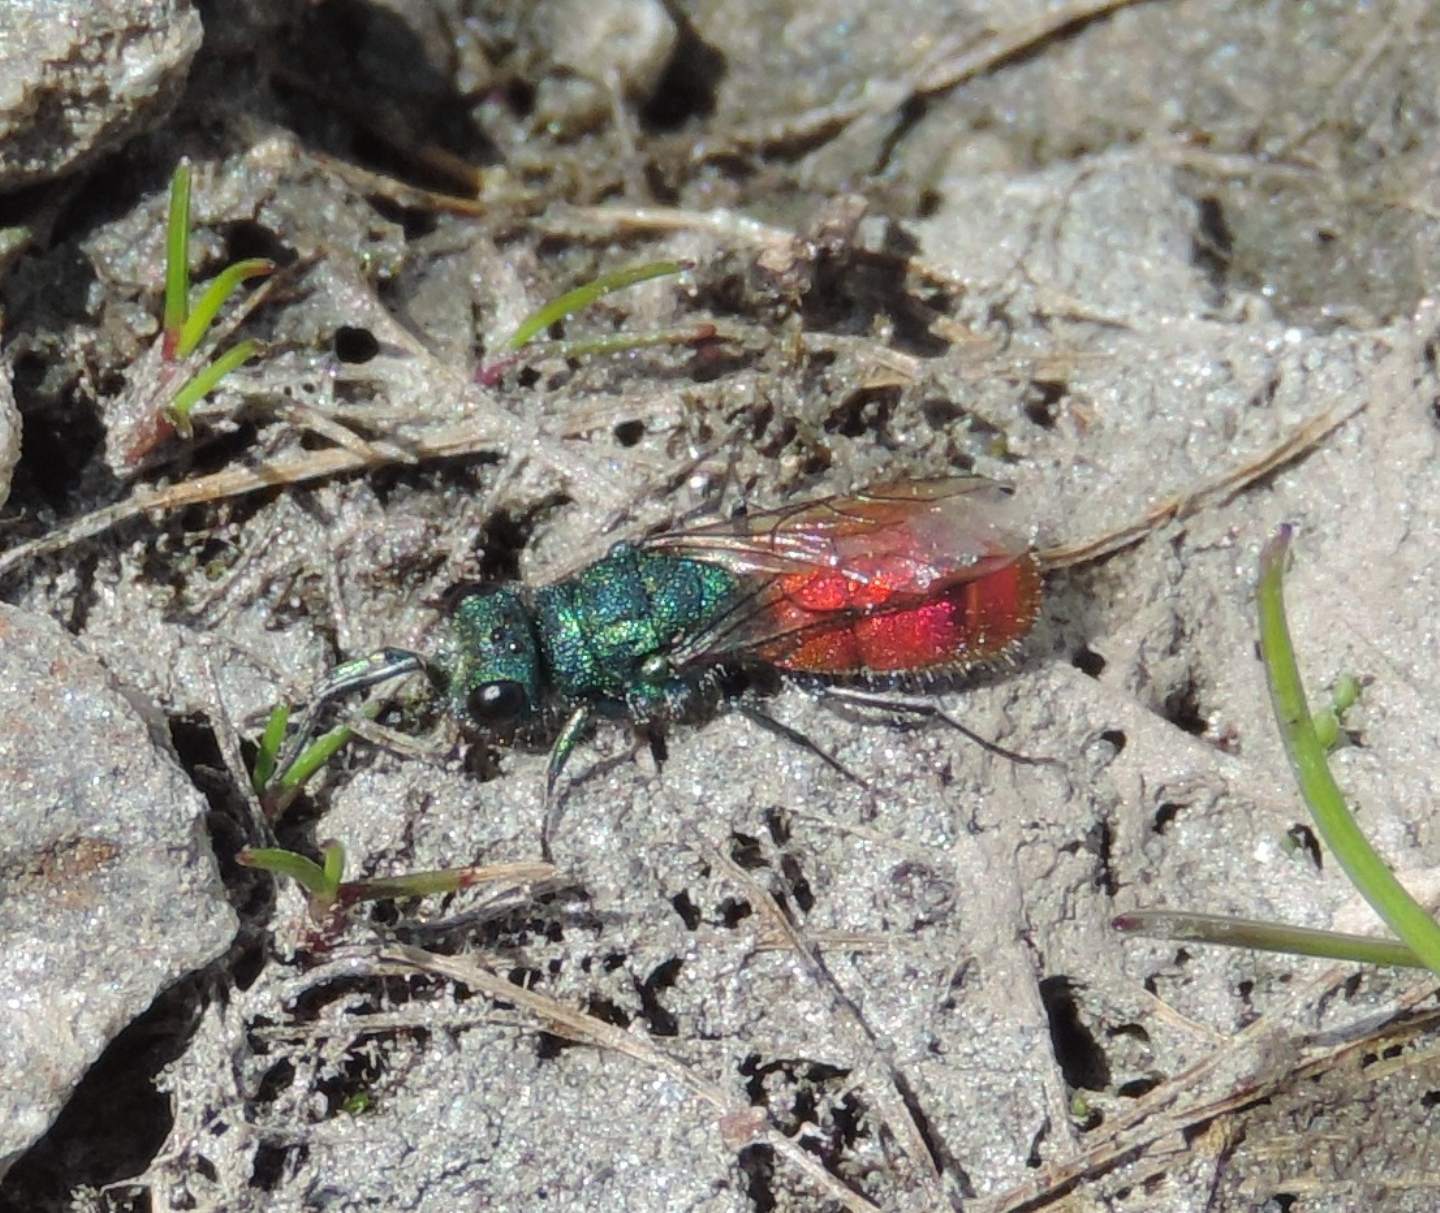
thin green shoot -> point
(326, 888)
(584, 347)
(317, 879)
(285, 775)
(586, 294)
(177, 259)
(1261, 936)
(620, 343)
(582, 297)
(203, 382)
(268, 750)
(214, 297)
(1308, 758)
(279, 794)
(184, 327)
(416, 884)
(332, 865)
(1082, 1112)
(1343, 696)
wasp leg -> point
(854, 697)
(560, 753)
(357, 675)
(431, 745)
(795, 737)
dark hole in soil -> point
(757, 1164)
(688, 88)
(1080, 1057)
(1214, 242)
(1088, 661)
(355, 345)
(1182, 709)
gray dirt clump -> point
(109, 892)
(78, 79)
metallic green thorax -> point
(600, 636)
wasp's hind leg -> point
(751, 712)
(922, 709)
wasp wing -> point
(814, 568)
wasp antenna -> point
(359, 674)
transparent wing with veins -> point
(821, 564)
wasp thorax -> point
(488, 663)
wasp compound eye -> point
(497, 703)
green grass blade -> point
(583, 296)
(416, 884)
(1345, 694)
(213, 299)
(1338, 830)
(1266, 937)
(204, 381)
(313, 757)
(623, 343)
(332, 855)
(308, 874)
(442, 880)
(1328, 721)
(177, 259)
(269, 749)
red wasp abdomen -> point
(963, 624)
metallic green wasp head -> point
(487, 667)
